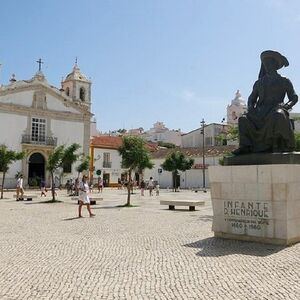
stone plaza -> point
(142, 252)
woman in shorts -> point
(84, 196)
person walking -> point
(150, 186)
(142, 185)
(20, 189)
(43, 188)
(100, 185)
(84, 196)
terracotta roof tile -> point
(114, 142)
(106, 141)
(194, 152)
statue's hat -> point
(281, 60)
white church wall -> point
(67, 132)
(11, 137)
(55, 104)
(21, 98)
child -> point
(43, 188)
(157, 189)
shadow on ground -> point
(70, 219)
(216, 247)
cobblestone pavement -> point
(143, 252)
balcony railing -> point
(107, 164)
(39, 140)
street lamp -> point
(203, 154)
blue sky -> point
(175, 61)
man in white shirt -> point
(150, 186)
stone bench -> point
(93, 200)
(26, 197)
(190, 203)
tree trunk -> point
(175, 181)
(128, 188)
(52, 187)
(2, 186)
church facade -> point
(35, 117)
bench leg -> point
(171, 207)
(192, 208)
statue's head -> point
(272, 61)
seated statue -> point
(266, 126)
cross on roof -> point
(40, 62)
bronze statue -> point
(266, 126)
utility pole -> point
(203, 154)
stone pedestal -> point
(258, 203)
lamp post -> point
(203, 154)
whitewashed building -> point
(106, 158)
(191, 179)
(160, 133)
(35, 117)
(212, 131)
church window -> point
(68, 91)
(38, 130)
(82, 94)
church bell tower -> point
(78, 87)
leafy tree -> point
(166, 145)
(297, 140)
(84, 165)
(231, 134)
(58, 158)
(135, 156)
(70, 156)
(176, 161)
(7, 157)
(144, 163)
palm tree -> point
(135, 156)
(58, 158)
(84, 165)
(176, 161)
(7, 157)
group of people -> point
(82, 189)
(151, 186)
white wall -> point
(115, 171)
(22, 98)
(67, 132)
(55, 104)
(12, 128)
(190, 179)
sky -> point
(174, 61)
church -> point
(35, 117)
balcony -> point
(107, 164)
(39, 140)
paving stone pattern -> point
(144, 252)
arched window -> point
(68, 91)
(82, 94)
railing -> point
(40, 140)
(107, 164)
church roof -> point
(76, 75)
